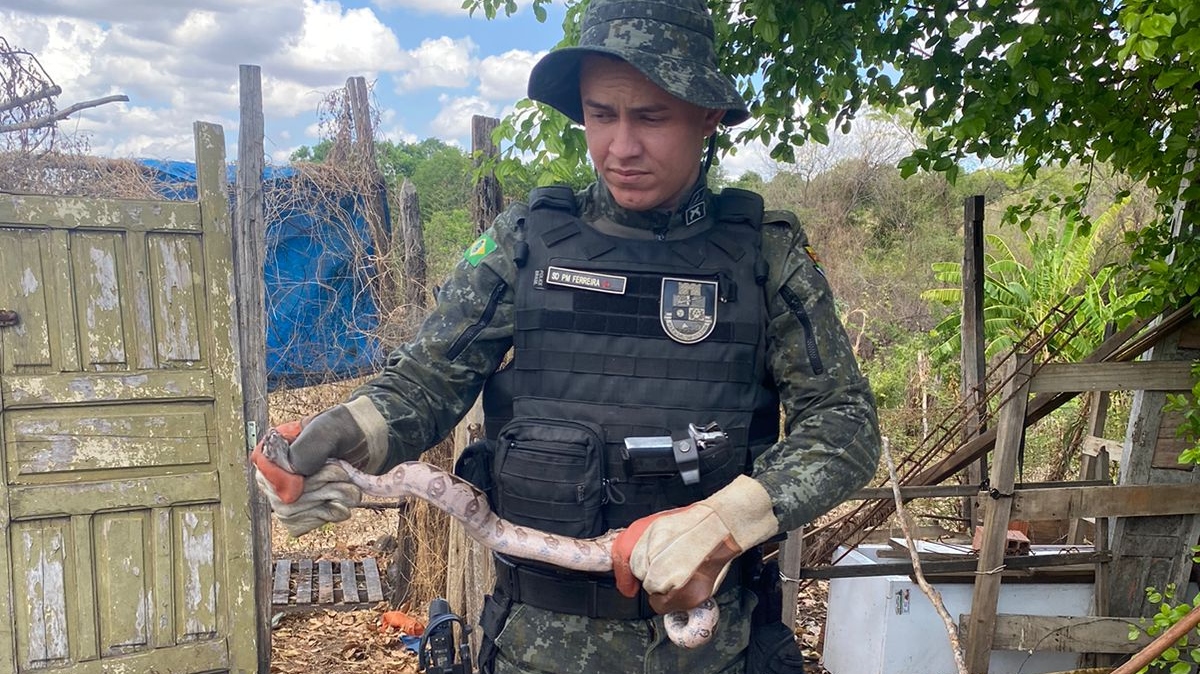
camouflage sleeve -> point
(428, 384)
(830, 444)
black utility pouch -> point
(475, 466)
(550, 475)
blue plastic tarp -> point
(321, 315)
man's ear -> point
(711, 119)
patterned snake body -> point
(462, 501)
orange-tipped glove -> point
(328, 496)
(681, 556)
(291, 463)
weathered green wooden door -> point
(126, 540)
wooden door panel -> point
(123, 487)
(47, 441)
(41, 558)
(195, 599)
(123, 581)
(176, 291)
(99, 267)
(25, 255)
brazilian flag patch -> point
(479, 250)
(812, 254)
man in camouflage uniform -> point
(644, 85)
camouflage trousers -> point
(536, 641)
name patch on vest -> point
(688, 309)
(585, 280)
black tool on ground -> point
(437, 653)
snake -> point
(467, 504)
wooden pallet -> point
(341, 584)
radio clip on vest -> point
(660, 455)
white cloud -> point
(288, 98)
(441, 62)
(753, 156)
(444, 7)
(454, 119)
(391, 127)
(505, 77)
(63, 46)
(337, 41)
(123, 130)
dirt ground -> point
(323, 641)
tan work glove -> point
(328, 496)
(355, 432)
(681, 556)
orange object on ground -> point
(403, 622)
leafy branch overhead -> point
(1070, 80)
(1100, 83)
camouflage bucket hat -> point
(671, 42)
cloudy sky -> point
(430, 65)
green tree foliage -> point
(1062, 268)
(1042, 80)
(442, 175)
(447, 235)
(315, 154)
(1095, 82)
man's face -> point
(644, 142)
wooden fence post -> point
(973, 361)
(470, 574)
(249, 244)
(997, 510)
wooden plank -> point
(1023, 562)
(1189, 335)
(1169, 444)
(1064, 634)
(973, 363)
(279, 590)
(349, 582)
(953, 490)
(1140, 500)
(1092, 445)
(82, 497)
(325, 581)
(68, 213)
(1134, 376)
(1009, 434)
(1117, 346)
(70, 388)
(371, 579)
(791, 558)
(202, 656)
(249, 252)
(304, 582)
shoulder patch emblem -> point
(816, 260)
(688, 309)
(479, 250)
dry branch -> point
(19, 101)
(51, 120)
(935, 597)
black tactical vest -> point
(617, 338)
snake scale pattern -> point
(462, 501)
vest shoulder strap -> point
(784, 219)
(738, 205)
(555, 197)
